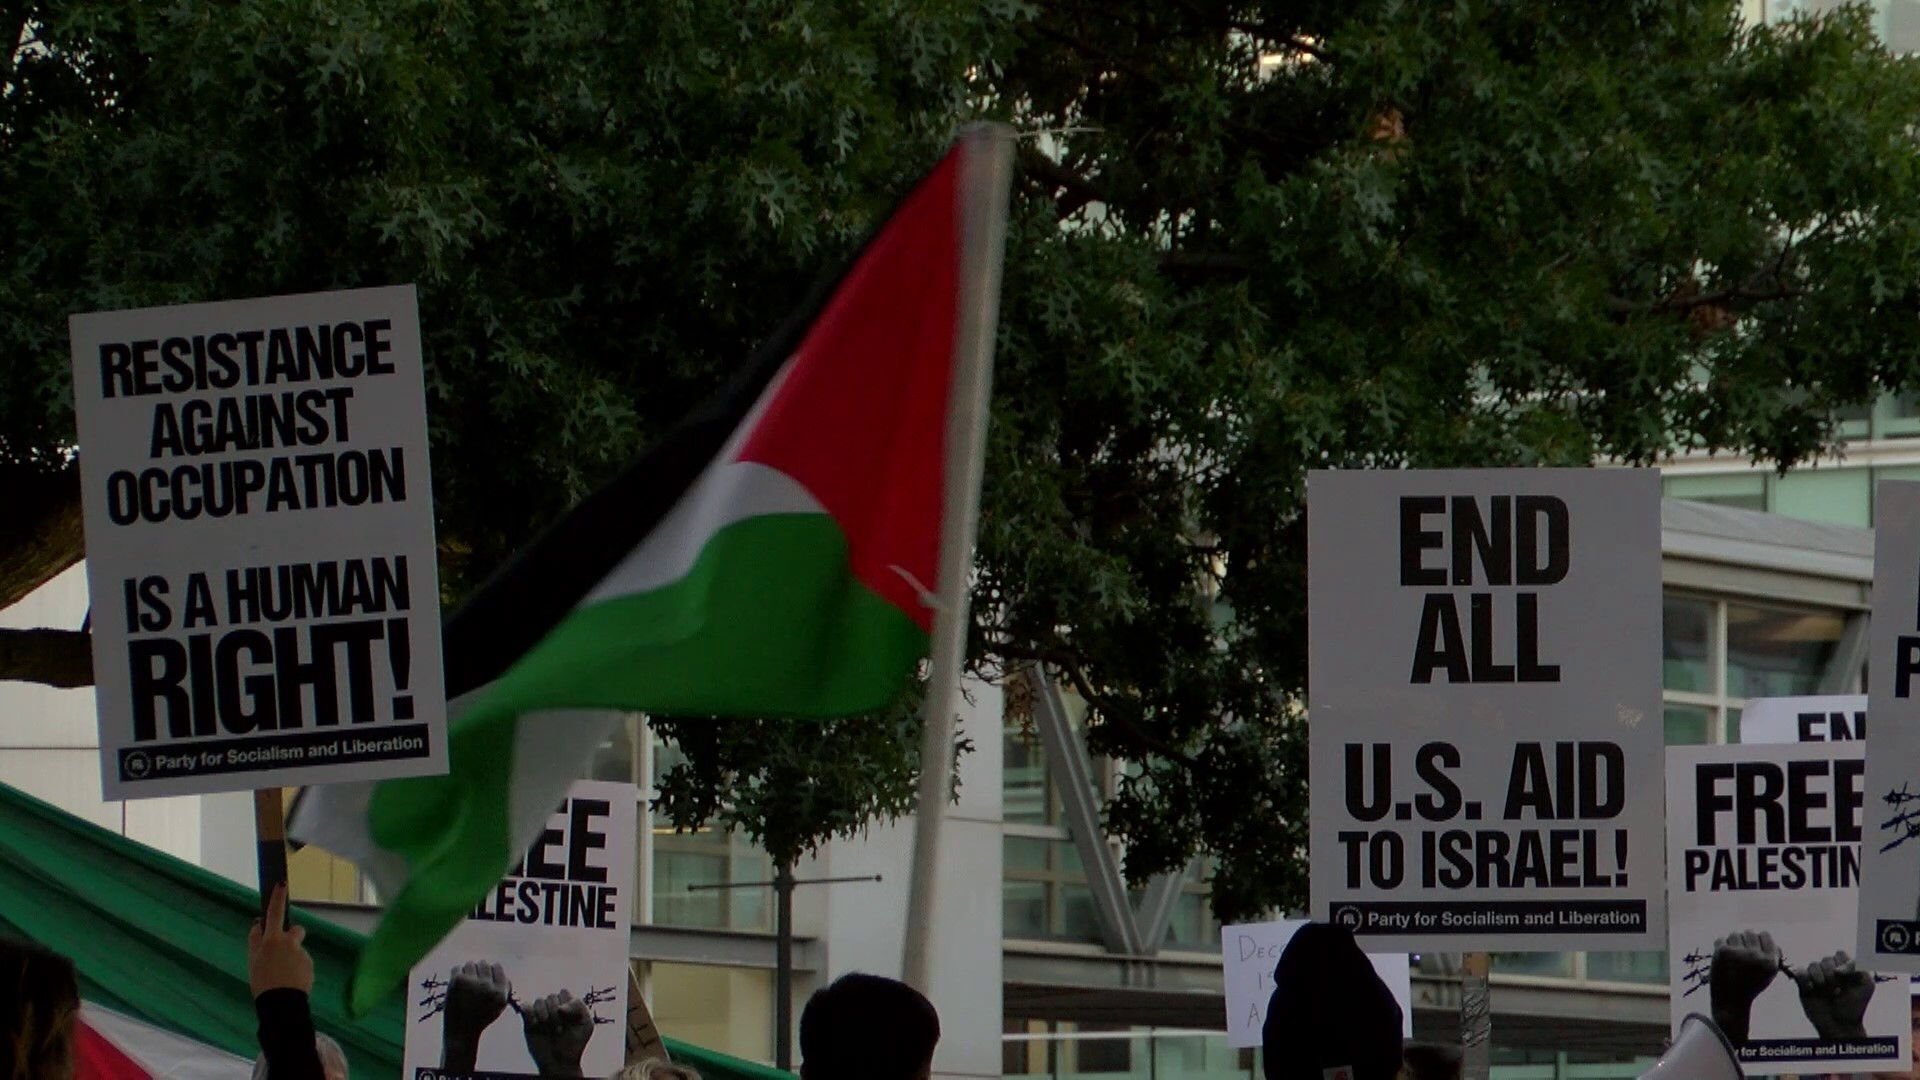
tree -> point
(603, 214)
(1248, 239)
(1449, 234)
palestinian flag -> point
(777, 555)
(160, 948)
(110, 1046)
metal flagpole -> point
(986, 171)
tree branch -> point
(41, 532)
(1283, 39)
(58, 658)
(1749, 291)
(14, 17)
(1110, 711)
(1079, 190)
(1206, 262)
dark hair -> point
(1329, 1010)
(869, 1027)
(39, 1005)
(1434, 1061)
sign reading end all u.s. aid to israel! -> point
(1485, 732)
(260, 543)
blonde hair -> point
(657, 1070)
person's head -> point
(333, 1060)
(39, 1006)
(867, 1026)
(1433, 1061)
(1329, 1011)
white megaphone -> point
(1701, 1052)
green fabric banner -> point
(164, 941)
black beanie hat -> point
(1329, 1011)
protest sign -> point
(643, 1035)
(260, 544)
(1764, 857)
(1250, 952)
(535, 981)
(1890, 855)
(1823, 718)
(1485, 737)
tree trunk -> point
(60, 658)
(41, 533)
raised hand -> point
(276, 957)
(558, 1028)
(1744, 964)
(1834, 995)
(476, 996)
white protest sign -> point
(535, 982)
(1485, 736)
(260, 546)
(1764, 856)
(1249, 953)
(1823, 718)
(1890, 853)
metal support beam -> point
(1848, 657)
(1156, 911)
(1067, 767)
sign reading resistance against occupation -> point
(260, 546)
(1890, 851)
(1484, 651)
(1763, 862)
(535, 982)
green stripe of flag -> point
(769, 621)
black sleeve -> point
(286, 1036)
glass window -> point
(1192, 925)
(1044, 892)
(1023, 909)
(1836, 496)
(1747, 490)
(1554, 965)
(706, 857)
(674, 903)
(1024, 777)
(1021, 1056)
(1898, 415)
(1078, 919)
(1628, 967)
(1026, 853)
(1778, 653)
(721, 1008)
(1686, 644)
(1689, 725)
(1896, 21)
(1102, 1055)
